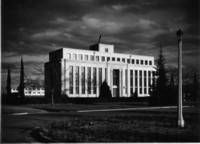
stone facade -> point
(79, 73)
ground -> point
(20, 128)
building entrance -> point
(115, 83)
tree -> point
(8, 87)
(21, 85)
(195, 87)
(189, 74)
(159, 88)
(105, 90)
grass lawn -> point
(123, 128)
(77, 107)
(8, 109)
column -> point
(98, 85)
(120, 82)
(92, 81)
(86, 79)
(143, 83)
(128, 82)
(111, 81)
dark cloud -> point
(33, 28)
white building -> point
(79, 73)
(30, 92)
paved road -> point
(18, 128)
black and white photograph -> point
(100, 71)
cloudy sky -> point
(33, 28)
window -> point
(103, 58)
(123, 60)
(133, 61)
(145, 82)
(97, 58)
(108, 58)
(83, 80)
(136, 79)
(137, 61)
(68, 56)
(150, 62)
(146, 62)
(94, 80)
(128, 60)
(113, 58)
(80, 57)
(131, 82)
(75, 56)
(77, 79)
(149, 76)
(118, 59)
(126, 74)
(106, 49)
(100, 76)
(92, 58)
(141, 62)
(89, 82)
(71, 79)
(86, 57)
(140, 78)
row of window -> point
(92, 84)
(103, 59)
(34, 92)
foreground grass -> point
(123, 129)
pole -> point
(180, 112)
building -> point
(79, 73)
(31, 92)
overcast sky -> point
(33, 28)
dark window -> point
(94, 80)
(128, 60)
(146, 62)
(137, 61)
(123, 60)
(106, 50)
(108, 58)
(140, 78)
(133, 61)
(77, 79)
(100, 76)
(83, 80)
(71, 79)
(89, 80)
(118, 59)
(131, 81)
(141, 62)
(136, 78)
(150, 62)
(113, 59)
